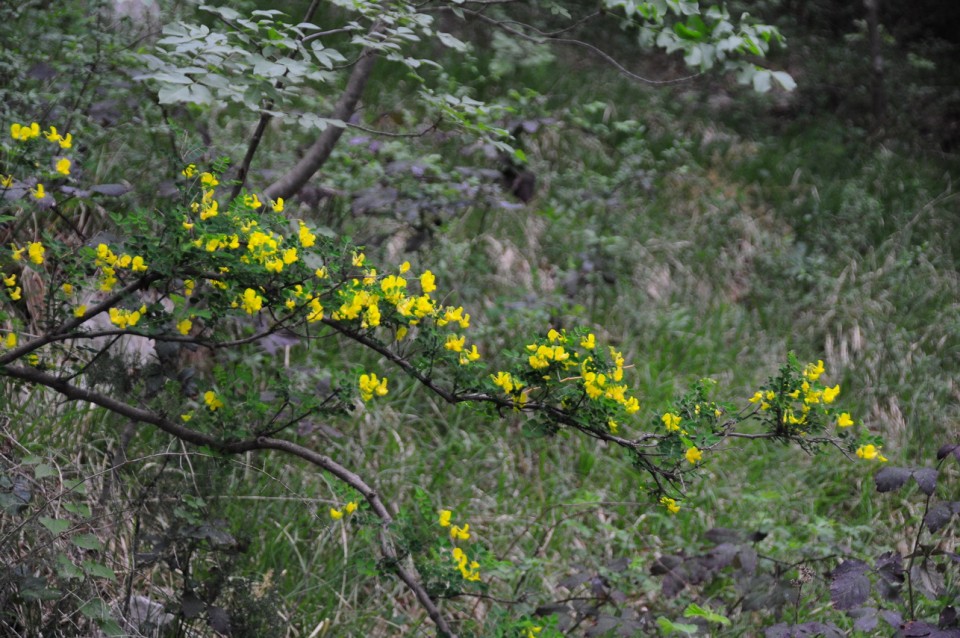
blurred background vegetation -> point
(699, 227)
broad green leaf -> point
(694, 610)
(56, 526)
(669, 627)
(87, 541)
(43, 470)
(98, 570)
(66, 569)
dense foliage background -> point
(701, 227)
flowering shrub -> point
(211, 272)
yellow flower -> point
(24, 133)
(504, 380)
(844, 421)
(52, 134)
(670, 504)
(15, 293)
(79, 311)
(252, 301)
(453, 343)
(813, 370)
(35, 250)
(38, 191)
(11, 340)
(829, 394)
(11, 281)
(189, 171)
(370, 385)
(445, 518)
(307, 239)
(553, 335)
(358, 259)
(351, 507)
(757, 397)
(6, 181)
(187, 225)
(16, 253)
(63, 166)
(870, 452)
(208, 180)
(252, 201)
(277, 205)
(66, 288)
(589, 342)
(470, 355)
(289, 256)
(336, 514)
(212, 400)
(533, 631)
(184, 326)
(66, 141)
(428, 283)
(613, 425)
(671, 421)
(186, 417)
(693, 455)
(404, 267)
(138, 265)
(460, 533)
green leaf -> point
(80, 509)
(87, 541)
(66, 569)
(95, 609)
(785, 80)
(56, 526)
(694, 610)
(43, 470)
(668, 627)
(98, 570)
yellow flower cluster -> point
(670, 504)
(512, 386)
(370, 385)
(808, 394)
(469, 570)
(124, 319)
(12, 288)
(108, 262)
(870, 453)
(337, 514)
(212, 400)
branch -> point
(409, 577)
(317, 155)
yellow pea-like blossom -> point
(428, 282)
(186, 417)
(671, 421)
(670, 504)
(470, 355)
(504, 380)
(870, 452)
(36, 250)
(460, 533)
(277, 205)
(6, 181)
(613, 425)
(67, 288)
(189, 171)
(589, 342)
(209, 180)
(252, 301)
(137, 264)
(404, 267)
(693, 455)
(350, 507)
(307, 239)
(38, 191)
(844, 420)
(370, 385)
(79, 311)
(10, 340)
(830, 394)
(15, 293)
(454, 343)
(336, 514)
(813, 370)
(184, 326)
(444, 519)
(10, 281)
(358, 259)
(212, 400)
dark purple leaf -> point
(893, 618)
(818, 630)
(720, 535)
(746, 560)
(865, 618)
(619, 565)
(191, 606)
(948, 617)
(574, 581)
(720, 556)
(890, 567)
(920, 629)
(781, 630)
(927, 580)
(665, 565)
(111, 190)
(219, 620)
(926, 478)
(949, 448)
(891, 478)
(850, 586)
(939, 515)
(74, 192)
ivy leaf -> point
(926, 478)
(850, 586)
(889, 479)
